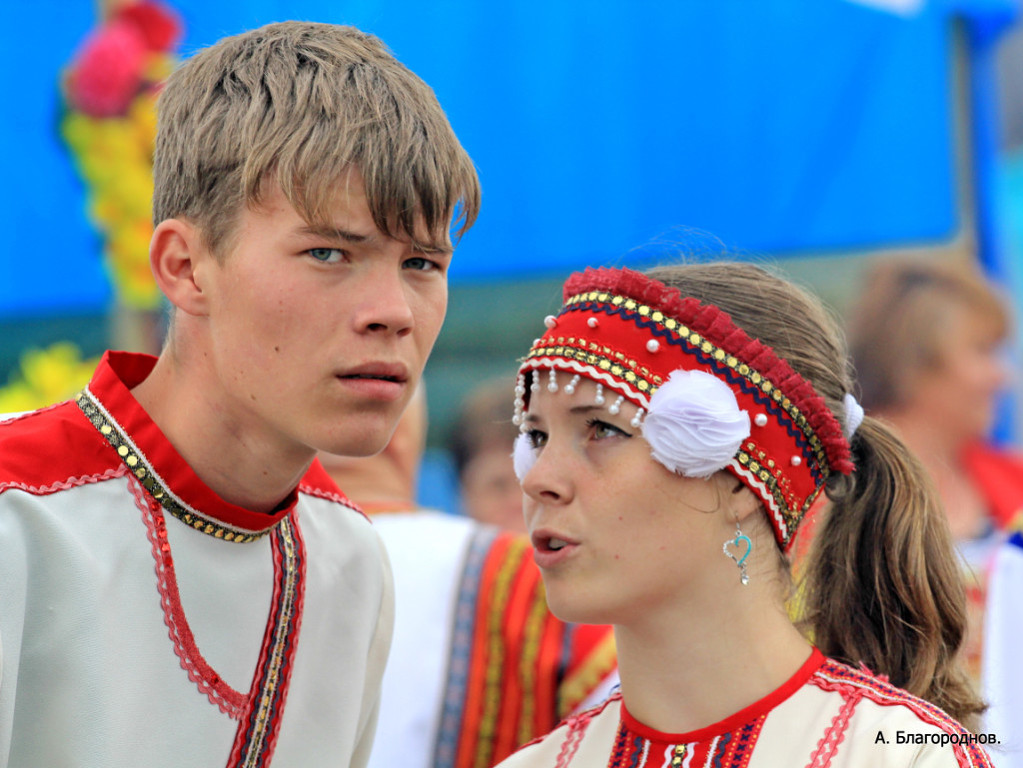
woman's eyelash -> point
(600, 424)
(537, 439)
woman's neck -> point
(690, 668)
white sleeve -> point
(375, 664)
(1002, 657)
(13, 591)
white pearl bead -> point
(653, 345)
(797, 460)
(550, 321)
(760, 419)
(593, 322)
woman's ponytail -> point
(883, 585)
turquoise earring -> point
(741, 543)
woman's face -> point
(490, 490)
(964, 382)
(615, 533)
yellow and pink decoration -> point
(110, 126)
(46, 376)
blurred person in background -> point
(480, 445)
(478, 664)
(927, 339)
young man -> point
(180, 582)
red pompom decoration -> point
(158, 24)
(108, 72)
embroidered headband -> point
(709, 396)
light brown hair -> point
(882, 585)
(905, 303)
(484, 422)
(300, 104)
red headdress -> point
(629, 333)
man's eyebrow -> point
(333, 233)
(434, 250)
(329, 232)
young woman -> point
(677, 428)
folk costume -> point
(711, 398)
(827, 714)
(998, 475)
(146, 621)
(479, 666)
(1003, 663)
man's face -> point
(317, 336)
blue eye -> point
(421, 264)
(326, 255)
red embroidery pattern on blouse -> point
(738, 750)
(260, 712)
(833, 676)
(827, 747)
(574, 737)
(65, 485)
(338, 498)
(257, 733)
(576, 728)
(728, 750)
(199, 671)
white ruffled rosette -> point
(694, 424)
(523, 456)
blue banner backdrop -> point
(778, 127)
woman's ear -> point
(179, 259)
(742, 501)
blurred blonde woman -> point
(927, 339)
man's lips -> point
(394, 372)
(376, 381)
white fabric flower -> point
(853, 415)
(523, 456)
(694, 424)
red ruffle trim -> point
(717, 327)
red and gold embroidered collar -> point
(108, 403)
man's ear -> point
(179, 260)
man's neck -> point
(249, 470)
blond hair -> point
(882, 585)
(906, 302)
(300, 105)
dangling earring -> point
(740, 560)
